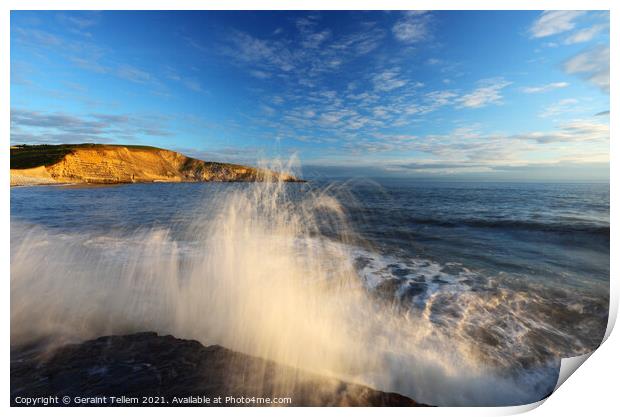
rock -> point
(113, 164)
(145, 364)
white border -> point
(591, 392)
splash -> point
(254, 272)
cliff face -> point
(110, 164)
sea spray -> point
(254, 272)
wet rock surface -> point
(145, 364)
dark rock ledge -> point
(175, 372)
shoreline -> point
(103, 184)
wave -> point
(513, 323)
(253, 273)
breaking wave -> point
(255, 272)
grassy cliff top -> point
(32, 156)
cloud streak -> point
(388, 80)
(585, 35)
(554, 22)
(591, 65)
(28, 126)
(317, 52)
(413, 27)
(488, 93)
(467, 149)
(545, 88)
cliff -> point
(176, 372)
(112, 164)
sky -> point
(489, 95)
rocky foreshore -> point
(145, 369)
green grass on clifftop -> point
(32, 156)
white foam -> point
(256, 279)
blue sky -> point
(456, 94)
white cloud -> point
(268, 110)
(585, 35)
(190, 83)
(466, 147)
(133, 74)
(574, 131)
(259, 74)
(334, 117)
(359, 43)
(413, 27)
(440, 98)
(81, 20)
(89, 64)
(310, 37)
(388, 80)
(251, 49)
(488, 93)
(592, 65)
(564, 106)
(194, 85)
(545, 88)
(380, 112)
(314, 40)
(28, 126)
(554, 22)
(37, 37)
(304, 59)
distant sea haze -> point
(463, 293)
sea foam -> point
(254, 273)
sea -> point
(452, 293)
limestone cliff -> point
(111, 164)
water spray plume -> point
(255, 273)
